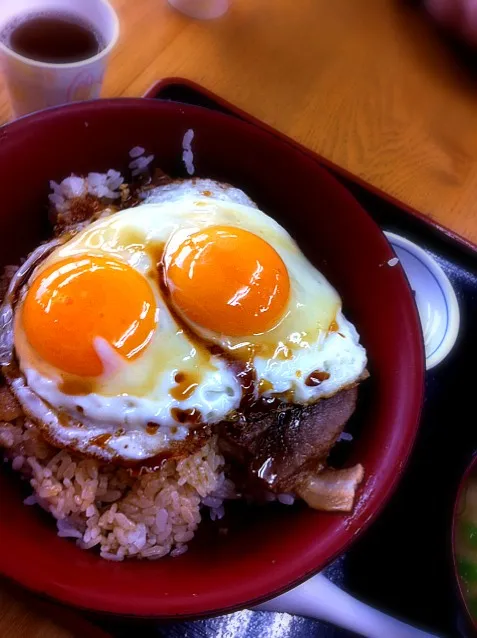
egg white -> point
(132, 394)
(197, 187)
(338, 353)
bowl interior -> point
(266, 550)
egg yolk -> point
(228, 280)
(80, 298)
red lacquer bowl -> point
(269, 550)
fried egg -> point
(240, 281)
(132, 333)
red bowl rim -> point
(99, 604)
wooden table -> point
(366, 83)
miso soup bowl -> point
(464, 543)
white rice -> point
(187, 154)
(102, 185)
(136, 152)
(140, 165)
(345, 436)
(106, 508)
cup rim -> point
(71, 65)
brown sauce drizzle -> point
(76, 387)
(247, 378)
(191, 415)
(316, 377)
(286, 397)
(333, 327)
(163, 287)
(186, 384)
(101, 440)
(81, 209)
(155, 250)
(264, 385)
(64, 419)
(152, 428)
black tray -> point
(403, 564)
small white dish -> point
(435, 298)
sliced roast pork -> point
(285, 450)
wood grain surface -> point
(369, 84)
(19, 620)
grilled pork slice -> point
(285, 450)
(330, 490)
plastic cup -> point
(34, 85)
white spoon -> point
(319, 598)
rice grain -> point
(104, 507)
